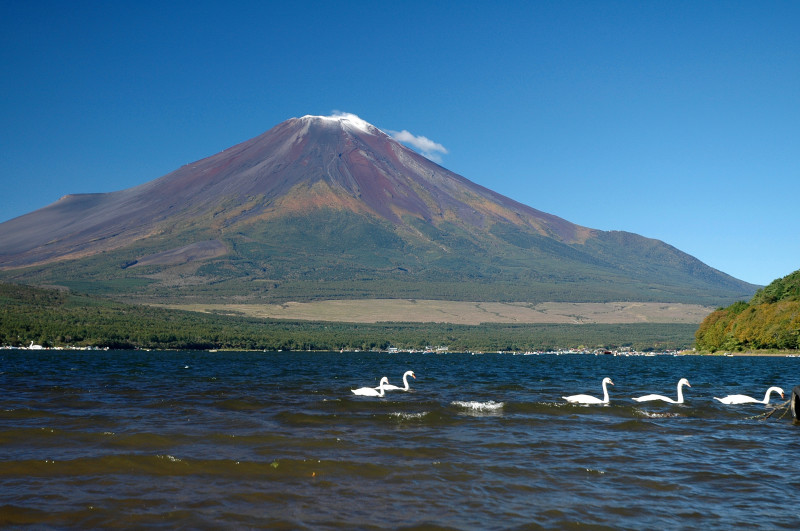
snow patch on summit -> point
(421, 144)
(348, 120)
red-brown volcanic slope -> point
(338, 162)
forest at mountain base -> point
(770, 320)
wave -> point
(658, 415)
(409, 416)
(491, 405)
(479, 408)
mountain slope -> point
(332, 207)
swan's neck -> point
(766, 396)
(680, 393)
(405, 382)
(605, 392)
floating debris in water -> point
(783, 408)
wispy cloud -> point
(422, 144)
(427, 147)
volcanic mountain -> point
(333, 207)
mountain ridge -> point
(316, 200)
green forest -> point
(56, 318)
(771, 320)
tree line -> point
(54, 318)
(770, 320)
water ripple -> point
(278, 440)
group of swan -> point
(730, 399)
(384, 386)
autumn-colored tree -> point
(771, 320)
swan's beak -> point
(612, 383)
(412, 375)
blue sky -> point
(675, 120)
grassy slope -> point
(463, 312)
(340, 255)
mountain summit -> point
(330, 207)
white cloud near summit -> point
(430, 149)
(424, 145)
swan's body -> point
(744, 399)
(390, 387)
(372, 391)
(650, 398)
(589, 399)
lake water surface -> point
(277, 440)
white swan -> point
(390, 387)
(681, 383)
(744, 399)
(372, 391)
(588, 399)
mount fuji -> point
(332, 207)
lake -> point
(278, 440)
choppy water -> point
(256, 440)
